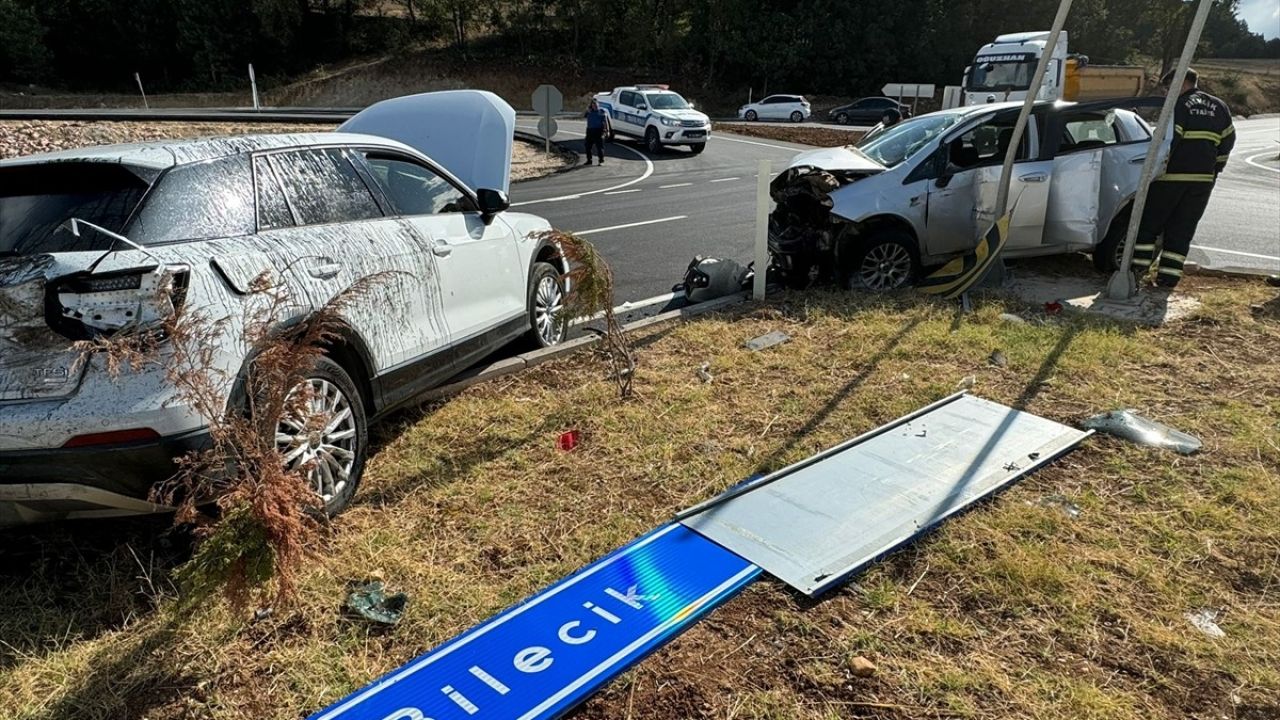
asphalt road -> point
(649, 215)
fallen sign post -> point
(547, 101)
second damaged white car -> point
(110, 239)
(922, 192)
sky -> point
(1263, 16)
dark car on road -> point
(867, 111)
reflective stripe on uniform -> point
(1167, 255)
(1187, 177)
(1212, 137)
(1144, 247)
(1230, 129)
(1177, 130)
(1169, 271)
(1223, 158)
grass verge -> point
(1014, 610)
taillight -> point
(116, 437)
(86, 305)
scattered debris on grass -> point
(704, 372)
(768, 340)
(1128, 424)
(998, 359)
(370, 601)
(861, 667)
(568, 440)
(1060, 502)
(1206, 621)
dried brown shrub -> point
(255, 518)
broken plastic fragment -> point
(967, 383)
(568, 440)
(704, 373)
(767, 340)
(1131, 426)
(1206, 621)
(371, 602)
(1058, 501)
(998, 359)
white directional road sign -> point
(547, 100)
(913, 90)
(547, 127)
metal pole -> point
(1122, 285)
(253, 85)
(763, 172)
(138, 79)
(995, 271)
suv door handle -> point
(324, 268)
(1137, 160)
(441, 249)
(1034, 177)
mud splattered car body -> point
(922, 192)
(191, 225)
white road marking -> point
(630, 225)
(648, 170)
(1234, 252)
(1258, 132)
(753, 142)
(725, 180)
(676, 185)
(622, 192)
(1251, 159)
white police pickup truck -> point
(656, 115)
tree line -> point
(813, 46)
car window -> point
(908, 137)
(323, 187)
(985, 144)
(667, 101)
(273, 209)
(1083, 132)
(415, 189)
(629, 99)
(35, 200)
(198, 202)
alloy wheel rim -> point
(885, 267)
(317, 436)
(548, 302)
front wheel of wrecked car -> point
(323, 434)
(547, 324)
(885, 261)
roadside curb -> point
(534, 138)
(512, 365)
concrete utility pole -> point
(1122, 285)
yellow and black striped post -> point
(956, 277)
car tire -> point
(336, 457)
(651, 141)
(797, 116)
(545, 306)
(697, 148)
(1110, 251)
(885, 261)
(842, 118)
(751, 116)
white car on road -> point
(190, 225)
(777, 107)
(923, 191)
(657, 116)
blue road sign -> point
(542, 657)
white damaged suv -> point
(96, 240)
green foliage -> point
(814, 46)
(234, 558)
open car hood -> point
(469, 132)
(837, 159)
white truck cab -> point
(1002, 70)
(656, 115)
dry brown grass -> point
(1013, 610)
(802, 134)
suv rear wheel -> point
(547, 324)
(327, 438)
(797, 116)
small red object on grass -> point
(568, 440)
(1052, 308)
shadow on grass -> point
(126, 680)
(74, 581)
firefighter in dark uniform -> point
(1202, 140)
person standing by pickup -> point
(597, 126)
(1203, 136)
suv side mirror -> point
(491, 202)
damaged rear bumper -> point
(98, 481)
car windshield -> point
(666, 101)
(35, 200)
(1002, 75)
(906, 138)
